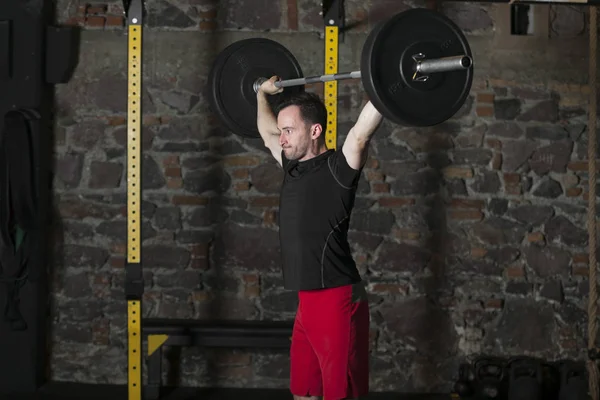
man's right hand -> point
(269, 87)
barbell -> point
(419, 69)
(416, 69)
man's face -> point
(295, 137)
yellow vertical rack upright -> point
(333, 13)
(330, 89)
(134, 285)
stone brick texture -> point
(471, 234)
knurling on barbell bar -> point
(416, 69)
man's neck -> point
(315, 150)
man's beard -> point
(295, 153)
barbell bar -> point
(416, 68)
(422, 68)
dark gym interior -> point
(139, 207)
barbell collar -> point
(444, 64)
(257, 83)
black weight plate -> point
(234, 71)
(387, 58)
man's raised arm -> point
(356, 145)
(265, 119)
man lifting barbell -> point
(330, 341)
(416, 69)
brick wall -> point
(471, 234)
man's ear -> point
(316, 131)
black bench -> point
(207, 333)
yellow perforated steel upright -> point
(134, 285)
(134, 356)
(134, 119)
(330, 88)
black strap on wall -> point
(35, 55)
(5, 50)
(18, 209)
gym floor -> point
(68, 391)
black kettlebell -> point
(551, 381)
(464, 385)
(489, 377)
(573, 381)
(526, 379)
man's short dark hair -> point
(312, 109)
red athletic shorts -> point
(330, 343)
